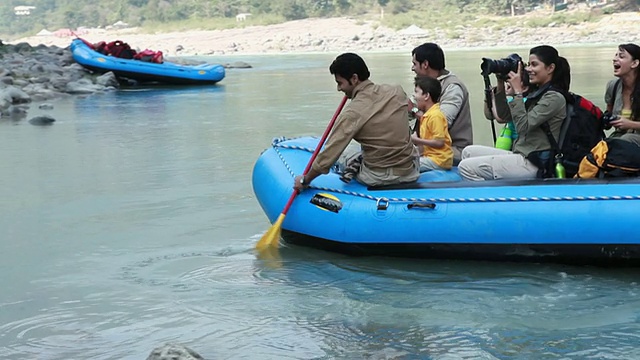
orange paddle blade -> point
(272, 237)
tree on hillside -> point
(382, 4)
(54, 14)
(291, 9)
(138, 3)
(627, 5)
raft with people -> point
(588, 221)
(562, 191)
(145, 66)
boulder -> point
(82, 86)
(14, 95)
(238, 65)
(173, 352)
(108, 80)
(42, 120)
(15, 111)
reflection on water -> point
(131, 222)
(228, 305)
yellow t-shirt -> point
(626, 113)
(433, 126)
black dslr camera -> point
(502, 67)
(607, 118)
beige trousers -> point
(488, 163)
(371, 177)
(426, 164)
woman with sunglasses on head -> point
(532, 154)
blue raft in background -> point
(580, 221)
(142, 71)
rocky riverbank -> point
(40, 74)
(346, 34)
(41, 68)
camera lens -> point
(502, 66)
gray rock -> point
(173, 352)
(238, 65)
(20, 82)
(39, 80)
(183, 61)
(42, 47)
(82, 86)
(45, 106)
(66, 59)
(15, 111)
(42, 120)
(58, 82)
(108, 79)
(22, 47)
(14, 95)
(42, 73)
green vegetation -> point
(166, 15)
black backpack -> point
(581, 130)
(612, 157)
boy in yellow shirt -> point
(432, 136)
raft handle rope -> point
(277, 143)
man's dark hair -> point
(432, 53)
(347, 64)
(430, 86)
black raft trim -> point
(604, 255)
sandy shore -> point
(345, 34)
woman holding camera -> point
(532, 154)
(622, 95)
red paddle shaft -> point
(316, 151)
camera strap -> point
(488, 95)
(615, 92)
(531, 102)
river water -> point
(131, 222)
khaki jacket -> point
(376, 118)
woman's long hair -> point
(634, 51)
(561, 77)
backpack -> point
(581, 130)
(119, 49)
(612, 157)
(149, 56)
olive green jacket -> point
(551, 108)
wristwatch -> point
(302, 182)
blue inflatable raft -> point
(142, 71)
(582, 221)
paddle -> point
(272, 237)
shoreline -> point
(327, 35)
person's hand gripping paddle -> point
(271, 239)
